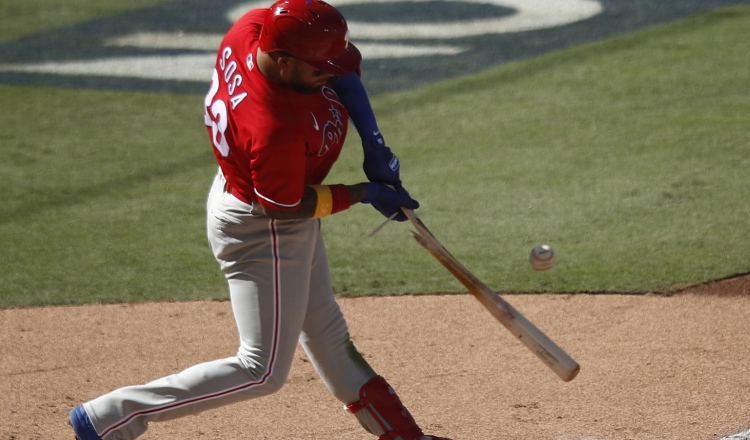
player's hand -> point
(388, 201)
(380, 165)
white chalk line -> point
(744, 435)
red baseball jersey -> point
(270, 141)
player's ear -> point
(283, 59)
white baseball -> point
(542, 258)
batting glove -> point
(388, 201)
(380, 165)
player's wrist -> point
(331, 199)
(357, 192)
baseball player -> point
(285, 84)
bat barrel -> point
(542, 346)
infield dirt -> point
(652, 367)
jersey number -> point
(216, 110)
(216, 117)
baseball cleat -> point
(81, 424)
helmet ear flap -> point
(313, 31)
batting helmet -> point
(313, 31)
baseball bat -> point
(534, 339)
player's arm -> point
(318, 200)
(380, 164)
(324, 200)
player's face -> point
(305, 78)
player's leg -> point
(325, 335)
(269, 317)
(349, 377)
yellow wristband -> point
(325, 201)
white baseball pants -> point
(281, 293)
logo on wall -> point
(404, 43)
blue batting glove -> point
(380, 164)
(388, 201)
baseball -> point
(542, 258)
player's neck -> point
(268, 66)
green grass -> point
(104, 198)
(20, 18)
(628, 156)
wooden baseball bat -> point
(534, 339)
